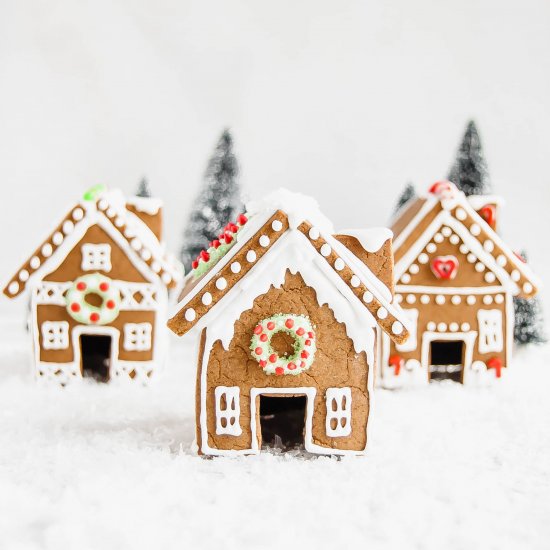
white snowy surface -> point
(105, 467)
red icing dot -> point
(81, 286)
(271, 325)
(263, 337)
(94, 317)
(75, 307)
(307, 342)
(279, 371)
(300, 331)
(232, 227)
(241, 219)
(195, 264)
(110, 304)
(204, 255)
(263, 363)
(228, 238)
(258, 351)
(289, 323)
(273, 357)
(104, 287)
(302, 364)
(311, 335)
(216, 243)
(304, 354)
(258, 329)
(291, 366)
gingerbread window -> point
(55, 335)
(228, 410)
(96, 257)
(490, 330)
(410, 343)
(137, 336)
(338, 419)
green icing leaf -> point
(94, 192)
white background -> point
(346, 101)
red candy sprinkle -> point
(271, 325)
(104, 287)
(75, 307)
(302, 364)
(258, 329)
(279, 371)
(194, 264)
(216, 243)
(94, 317)
(289, 323)
(304, 354)
(204, 255)
(263, 337)
(263, 363)
(110, 304)
(273, 357)
(291, 366)
(307, 342)
(228, 238)
(232, 227)
(258, 350)
(241, 219)
(300, 331)
(81, 286)
(311, 335)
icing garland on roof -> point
(218, 248)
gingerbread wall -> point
(69, 270)
(336, 365)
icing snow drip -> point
(147, 205)
(296, 206)
(371, 239)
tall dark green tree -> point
(529, 321)
(218, 202)
(469, 171)
(143, 189)
(407, 195)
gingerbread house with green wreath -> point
(286, 312)
(455, 279)
(98, 290)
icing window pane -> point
(338, 420)
(137, 336)
(228, 410)
(96, 257)
(490, 330)
(410, 344)
(55, 335)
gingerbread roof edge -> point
(107, 207)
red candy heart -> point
(444, 267)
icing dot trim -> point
(326, 250)
(190, 314)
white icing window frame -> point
(412, 341)
(96, 257)
(228, 418)
(338, 404)
(491, 337)
(137, 336)
(55, 335)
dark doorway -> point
(446, 360)
(282, 421)
(95, 356)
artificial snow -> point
(111, 467)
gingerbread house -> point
(98, 290)
(455, 278)
(286, 312)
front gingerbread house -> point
(98, 290)
(455, 279)
(286, 316)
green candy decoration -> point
(94, 192)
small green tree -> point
(143, 189)
(469, 171)
(218, 202)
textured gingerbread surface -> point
(336, 365)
